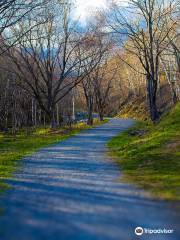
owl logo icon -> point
(139, 231)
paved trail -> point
(71, 191)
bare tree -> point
(102, 81)
(88, 89)
(147, 30)
(11, 13)
(96, 46)
(49, 60)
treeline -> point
(51, 67)
(148, 32)
(44, 58)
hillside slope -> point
(137, 106)
(149, 155)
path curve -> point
(71, 191)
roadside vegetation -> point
(149, 155)
(15, 147)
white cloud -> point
(88, 8)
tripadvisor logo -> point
(139, 231)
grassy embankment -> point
(15, 148)
(152, 159)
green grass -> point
(152, 161)
(15, 148)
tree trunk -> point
(57, 115)
(152, 89)
(153, 110)
(90, 113)
(52, 121)
(52, 118)
(175, 96)
(101, 116)
(44, 119)
(172, 82)
(90, 120)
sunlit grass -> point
(152, 161)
